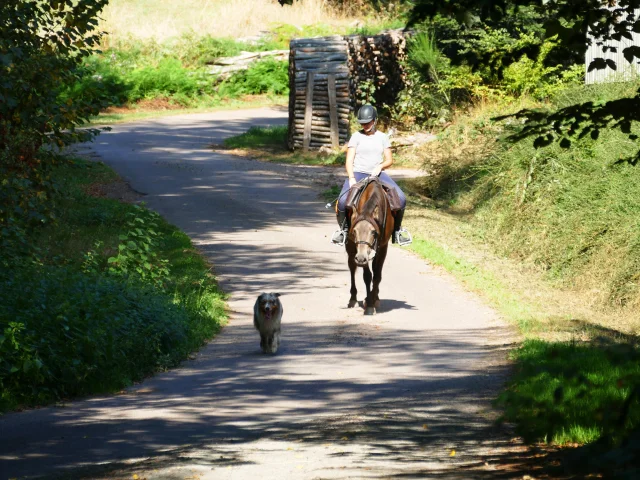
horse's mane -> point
(376, 198)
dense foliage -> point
(175, 71)
(110, 294)
(42, 46)
(568, 21)
(94, 294)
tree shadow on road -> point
(216, 405)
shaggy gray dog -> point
(267, 313)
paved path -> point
(348, 396)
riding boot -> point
(339, 237)
(400, 234)
(341, 216)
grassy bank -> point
(106, 295)
(548, 237)
(150, 76)
(164, 51)
(269, 144)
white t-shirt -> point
(369, 150)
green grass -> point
(571, 212)
(259, 137)
(269, 144)
(573, 215)
(207, 105)
(110, 294)
(175, 70)
(572, 392)
(560, 392)
(479, 280)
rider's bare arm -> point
(388, 159)
(351, 154)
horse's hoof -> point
(352, 303)
(370, 311)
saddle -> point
(354, 194)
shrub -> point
(73, 323)
(137, 256)
(94, 334)
(167, 79)
(265, 76)
(534, 78)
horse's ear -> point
(376, 211)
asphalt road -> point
(402, 394)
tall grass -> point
(573, 212)
(163, 19)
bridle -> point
(376, 234)
(377, 228)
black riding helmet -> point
(366, 114)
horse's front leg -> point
(378, 263)
(368, 304)
(353, 267)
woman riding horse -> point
(368, 154)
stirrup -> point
(402, 237)
(339, 237)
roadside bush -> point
(435, 88)
(266, 76)
(94, 334)
(137, 252)
(27, 194)
(98, 82)
(487, 46)
(107, 295)
(534, 78)
(168, 78)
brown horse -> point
(369, 234)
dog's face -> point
(269, 304)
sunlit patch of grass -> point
(269, 144)
(479, 280)
(259, 137)
(572, 392)
(133, 113)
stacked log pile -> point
(377, 59)
(319, 100)
(325, 77)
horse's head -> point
(365, 234)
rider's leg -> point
(340, 236)
(400, 234)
